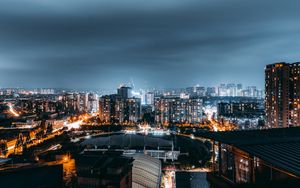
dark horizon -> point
(170, 44)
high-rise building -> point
(190, 90)
(211, 91)
(200, 91)
(119, 109)
(149, 98)
(109, 108)
(231, 90)
(125, 92)
(239, 109)
(133, 109)
(282, 103)
(222, 90)
(80, 102)
(178, 110)
(195, 91)
(236, 90)
(83, 102)
(44, 91)
(239, 90)
(295, 94)
(93, 103)
(69, 104)
(252, 90)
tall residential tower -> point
(282, 103)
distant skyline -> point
(136, 88)
(167, 44)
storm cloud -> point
(170, 43)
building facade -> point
(125, 92)
(239, 109)
(294, 98)
(282, 103)
(178, 110)
(116, 109)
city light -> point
(74, 125)
(154, 94)
(12, 110)
(130, 131)
(66, 158)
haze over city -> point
(149, 94)
(100, 44)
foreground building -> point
(113, 169)
(30, 175)
(191, 179)
(282, 95)
(95, 170)
(146, 171)
(259, 158)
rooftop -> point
(128, 141)
(279, 147)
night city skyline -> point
(100, 44)
(149, 94)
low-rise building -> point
(94, 170)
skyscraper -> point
(282, 87)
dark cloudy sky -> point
(162, 43)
